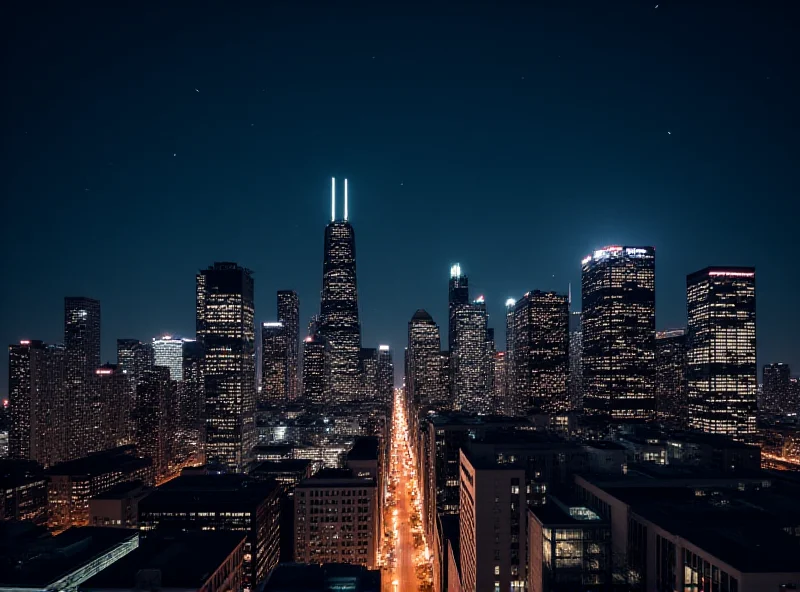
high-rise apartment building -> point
(168, 352)
(541, 350)
(721, 357)
(134, 357)
(468, 362)
(777, 396)
(457, 296)
(424, 345)
(513, 407)
(289, 315)
(107, 422)
(339, 321)
(82, 345)
(191, 397)
(155, 418)
(671, 403)
(226, 331)
(316, 370)
(274, 350)
(385, 374)
(618, 325)
(39, 404)
(575, 384)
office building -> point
(274, 351)
(671, 402)
(23, 491)
(367, 374)
(513, 407)
(493, 519)
(501, 402)
(289, 315)
(191, 397)
(468, 362)
(339, 320)
(385, 375)
(541, 351)
(618, 327)
(39, 404)
(777, 394)
(316, 370)
(118, 507)
(73, 483)
(82, 345)
(108, 405)
(226, 331)
(156, 423)
(337, 519)
(721, 357)
(65, 561)
(134, 357)
(424, 349)
(168, 352)
(206, 562)
(575, 383)
(224, 503)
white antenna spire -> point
(345, 200)
(569, 296)
(333, 199)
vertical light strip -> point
(345, 200)
(333, 199)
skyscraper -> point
(316, 370)
(424, 347)
(501, 403)
(721, 358)
(39, 405)
(777, 396)
(274, 350)
(514, 406)
(155, 416)
(107, 419)
(82, 346)
(339, 322)
(541, 350)
(619, 316)
(385, 374)
(168, 352)
(226, 331)
(134, 357)
(289, 315)
(468, 357)
(457, 296)
(368, 373)
(575, 387)
(671, 402)
(191, 397)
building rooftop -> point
(458, 418)
(219, 491)
(336, 478)
(46, 561)
(102, 462)
(277, 449)
(604, 445)
(19, 472)
(569, 515)
(182, 560)
(365, 448)
(328, 577)
(122, 491)
(289, 465)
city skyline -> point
(438, 144)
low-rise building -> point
(119, 506)
(23, 491)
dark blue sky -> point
(513, 137)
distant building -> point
(385, 374)
(108, 407)
(226, 330)
(65, 561)
(514, 407)
(134, 357)
(575, 386)
(168, 352)
(274, 349)
(289, 315)
(73, 483)
(424, 345)
(368, 373)
(778, 396)
(618, 332)
(202, 561)
(23, 491)
(721, 366)
(337, 519)
(468, 361)
(224, 503)
(316, 370)
(39, 403)
(541, 350)
(191, 397)
(501, 402)
(671, 395)
(156, 419)
(493, 500)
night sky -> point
(143, 141)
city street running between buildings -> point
(407, 559)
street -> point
(408, 566)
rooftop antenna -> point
(569, 295)
(333, 199)
(345, 200)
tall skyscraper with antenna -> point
(339, 322)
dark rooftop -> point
(336, 478)
(219, 491)
(289, 465)
(47, 561)
(183, 560)
(604, 445)
(365, 448)
(555, 514)
(121, 490)
(98, 463)
(292, 577)
(281, 449)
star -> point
(669, 133)
(174, 154)
(197, 91)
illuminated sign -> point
(25, 342)
(742, 274)
(273, 324)
(383, 348)
(635, 251)
(103, 371)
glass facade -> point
(316, 370)
(671, 402)
(618, 327)
(274, 363)
(721, 358)
(468, 359)
(226, 331)
(168, 352)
